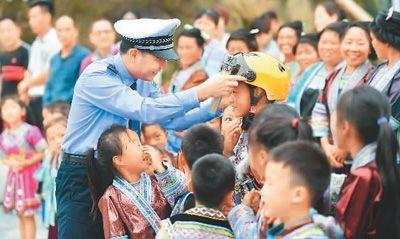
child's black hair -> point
(59, 106)
(308, 165)
(245, 36)
(200, 140)
(14, 98)
(209, 12)
(193, 33)
(275, 124)
(213, 177)
(100, 169)
(143, 126)
(368, 111)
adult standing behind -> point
(14, 61)
(45, 46)
(386, 77)
(119, 90)
(65, 65)
(327, 13)
(223, 20)
(102, 36)
(305, 92)
(206, 21)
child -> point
(296, 176)
(155, 135)
(369, 201)
(54, 110)
(198, 141)
(47, 173)
(273, 125)
(21, 148)
(241, 40)
(213, 179)
(131, 203)
(230, 130)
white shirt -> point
(42, 50)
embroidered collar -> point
(365, 156)
(207, 212)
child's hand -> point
(231, 136)
(252, 200)
(156, 161)
(227, 207)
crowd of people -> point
(309, 149)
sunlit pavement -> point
(9, 226)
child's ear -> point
(299, 194)
(117, 160)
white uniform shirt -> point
(42, 50)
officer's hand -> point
(218, 85)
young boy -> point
(55, 110)
(198, 141)
(213, 180)
(296, 177)
(154, 135)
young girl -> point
(47, 173)
(274, 125)
(21, 148)
(369, 201)
(355, 48)
(270, 84)
(131, 202)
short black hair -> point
(193, 33)
(297, 26)
(45, 5)
(200, 140)
(337, 27)
(308, 165)
(14, 98)
(213, 177)
(143, 126)
(209, 12)
(269, 15)
(245, 36)
(59, 106)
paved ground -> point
(9, 226)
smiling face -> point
(306, 55)
(132, 158)
(329, 48)
(144, 64)
(188, 50)
(12, 112)
(206, 25)
(287, 39)
(102, 35)
(355, 47)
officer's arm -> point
(109, 94)
(194, 116)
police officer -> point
(119, 90)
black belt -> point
(74, 159)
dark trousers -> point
(34, 112)
(74, 203)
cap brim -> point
(168, 55)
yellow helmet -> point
(261, 70)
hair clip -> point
(254, 31)
(382, 120)
(295, 123)
(390, 13)
(188, 27)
